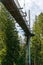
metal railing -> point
(23, 14)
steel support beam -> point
(13, 9)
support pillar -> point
(28, 58)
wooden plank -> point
(13, 9)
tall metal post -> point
(29, 55)
(28, 52)
(29, 19)
(28, 45)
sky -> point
(32, 4)
(35, 7)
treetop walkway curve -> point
(13, 7)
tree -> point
(22, 56)
(11, 51)
(10, 35)
(37, 41)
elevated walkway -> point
(13, 7)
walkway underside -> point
(13, 9)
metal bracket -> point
(20, 8)
(25, 14)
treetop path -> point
(15, 10)
(13, 7)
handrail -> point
(13, 9)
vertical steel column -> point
(28, 45)
(28, 59)
(29, 56)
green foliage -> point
(11, 53)
(22, 56)
(9, 43)
(37, 41)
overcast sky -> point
(32, 4)
(35, 6)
